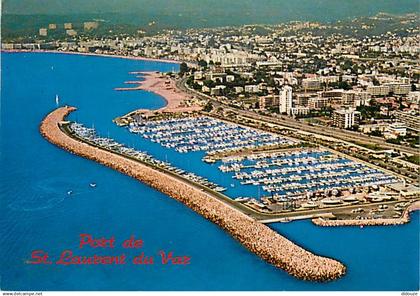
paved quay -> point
(405, 218)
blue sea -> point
(38, 214)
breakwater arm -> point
(405, 218)
(257, 237)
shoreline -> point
(404, 219)
(256, 237)
(163, 86)
(92, 54)
(172, 99)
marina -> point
(191, 134)
(260, 174)
(89, 135)
(301, 173)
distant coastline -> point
(92, 54)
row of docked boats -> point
(331, 183)
(89, 135)
(302, 171)
(190, 134)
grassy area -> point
(413, 159)
(375, 147)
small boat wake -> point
(57, 100)
(48, 194)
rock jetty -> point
(405, 218)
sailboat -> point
(57, 102)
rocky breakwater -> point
(405, 218)
(258, 238)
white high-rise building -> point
(346, 118)
(285, 101)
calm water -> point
(37, 213)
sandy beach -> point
(256, 237)
(165, 87)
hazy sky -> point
(246, 7)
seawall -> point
(405, 218)
(256, 237)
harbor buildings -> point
(286, 100)
(90, 25)
(268, 102)
(311, 84)
(71, 33)
(346, 118)
(411, 120)
(43, 32)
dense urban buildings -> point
(301, 69)
(346, 118)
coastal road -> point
(291, 123)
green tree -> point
(344, 85)
(375, 81)
(208, 107)
(376, 133)
(183, 68)
(202, 63)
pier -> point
(255, 236)
(201, 133)
(405, 218)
